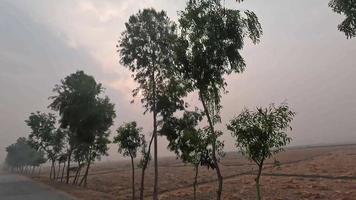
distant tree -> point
(208, 50)
(22, 156)
(347, 8)
(146, 48)
(261, 134)
(86, 115)
(128, 140)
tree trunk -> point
(216, 164)
(64, 166)
(54, 169)
(59, 171)
(39, 170)
(133, 178)
(144, 167)
(142, 182)
(51, 172)
(259, 197)
(155, 187)
(84, 179)
(68, 164)
(195, 181)
(77, 173)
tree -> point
(208, 50)
(189, 143)
(87, 116)
(347, 8)
(261, 134)
(146, 48)
(128, 140)
(44, 136)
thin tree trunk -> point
(50, 174)
(64, 166)
(142, 182)
(39, 170)
(54, 169)
(78, 177)
(259, 197)
(84, 179)
(58, 171)
(216, 164)
(68, 165)
(195, 181)
(77, 172)
(144, 167)
(155, 151)
(133, 178)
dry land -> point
(327, 172)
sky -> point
(302, 59)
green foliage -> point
(209, 45)
(262, 133)
(44, 135)
(145, 151)
(86, 114)
(347, 8)
(128, 139)
(42, 129)
(189, 143)
(146, 48)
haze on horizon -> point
(302, 58)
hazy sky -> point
(302, 58)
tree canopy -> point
(347, 8)
(128, 139)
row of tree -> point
(169, 62)
(80, 136)
(22, 157)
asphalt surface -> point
(15, 187)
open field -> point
(305, 173)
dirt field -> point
(305, 173)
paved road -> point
(15, 187)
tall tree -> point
(86, 114)
(146, 48)
(128, 140)
(261, 134)
(208, 50)
(347, 8)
